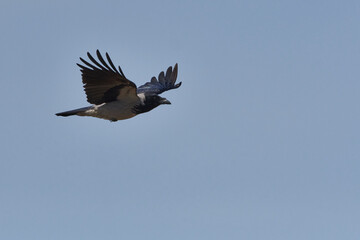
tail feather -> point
(73, 112)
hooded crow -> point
(114, 97)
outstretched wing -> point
(163, 83)
(104, 83)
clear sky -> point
(262, 140)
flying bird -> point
(114, 97)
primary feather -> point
(162, 84)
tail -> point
(79, 111)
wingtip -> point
(83, 61)
(98, 53)
(174, 74)
(176, 67)
(89, 55)
(153, 80)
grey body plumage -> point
(113, 96)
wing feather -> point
(162, 84)
(112, 65)
(103, 83)
(161, 78)
(102, 60)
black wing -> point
(163, 83)
(104, 83)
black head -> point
(150, 103)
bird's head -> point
(156, 100)
(150, 103)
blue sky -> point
(261, 141)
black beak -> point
(165, 101)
